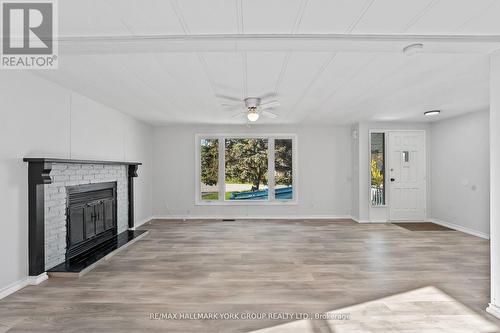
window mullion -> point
(222, 169)
(270, 168)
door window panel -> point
(377, 169)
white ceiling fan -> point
(253, 108)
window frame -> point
(386, 197)
(221, 201)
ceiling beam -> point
(278, 43)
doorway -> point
(406, 175)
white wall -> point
(41, 119)
(460, 177)
(324, 173)
(366, 212)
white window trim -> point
(270, 177)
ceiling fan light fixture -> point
(413, 49)
(253, 115)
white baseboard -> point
(355, 219)
(18, 285)
(12, 288)
(493, 310)
(252, 217)
(36, 280)
(141, 222)
(460, 228)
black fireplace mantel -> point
(72, 161)
(38, 175)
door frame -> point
(387, 166)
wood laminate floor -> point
(270, 266)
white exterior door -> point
(407, 176)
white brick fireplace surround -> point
(52, 183)
(64, 175)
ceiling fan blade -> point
(232, 107)
(237, 114)
(269, 95)
(235, 109)
(269, 105)
(230, 98)
(269, 114)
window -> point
(377, 169)
(209, 158)
(245, 169)
(283, 169)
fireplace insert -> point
(91, 217)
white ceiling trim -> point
(239, 17)
(281, 75)
(344, 37)
(108, 72)
(365, 9)
(366, 92)
(122, 21)
(171, 60)
(180, 17)
(287, 42)
(300, 15)
(320, 72)
(157, 91)
(477, 16)
(211, 81)
(245, 75)
(356, 73)
(421, 14)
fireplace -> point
(78, 209)
(91, 217)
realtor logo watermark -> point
(29, 34)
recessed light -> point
(413, 49)
(432, 113)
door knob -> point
(392, 179)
